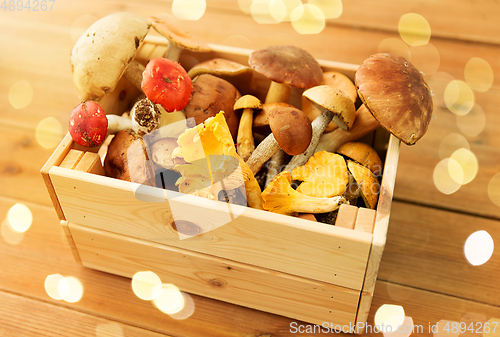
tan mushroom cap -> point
(367, 183)
(287, 64)
(332, 99)
(291, 128)
(219, 67)
(178, 37)
(101, 55)
(396, 94)
(363, 154)
(341, 82)
(247, 102)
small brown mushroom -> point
(210, 96)
(286, 67)
(127, 159)
(342, 82)
(178, 40)
(291, 131)
(105, 52)
(261, 117)
(245, 143)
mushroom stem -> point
(245, 144)
(364, 124)
(275, 164)
(118, 123)
(278, 92)
(265, 150)
(309, 204)
(173, 51)
(319, 125)
(133, 73)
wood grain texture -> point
(365, 221)
(22, 316)
(229, 281)
(347, 216)
(291, 245)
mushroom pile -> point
(208, 132)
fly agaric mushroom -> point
(363, 154)
(105, 52)
(165, 82)
(366, 181)
(178, 40)
(89, 125)
(211, 95)
(324, 175)
(280, 197)
(245, 143)
(291, 131)
(286, 67)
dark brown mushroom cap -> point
(287, 64)
(396, 94)
(291, 128)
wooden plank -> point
(90, 163)
(265, 239)
(347, 216)
(71, 241)
(425, 249)
(365, 220)
(365, 303)
(72, 159)
(221, 279)
(22, 316)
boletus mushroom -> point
(286, 67)
(105, 52)
(395, 96)
(245, 144)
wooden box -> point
(305, 270)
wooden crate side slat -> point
(365, 221)
(287, 244)
(237, 283)
(90, 163)
(346, 217)
(71, 242)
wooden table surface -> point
(424, 268)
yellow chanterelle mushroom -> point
(280, 197)
(324, 175)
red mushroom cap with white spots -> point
(167, 83)
(88, 124)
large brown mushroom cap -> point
(103, 52)
(291, 128)
(396, 94)
(287, 64)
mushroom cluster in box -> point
(211, 131)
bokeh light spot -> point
(49, 132)
(459, 97)
(19, 218)
(426, 59)
(468, 162)
(451, 143)
(109, 330)
(331, 9)
(187, 310)
(80, 25)
(146, 285)
(308, 19)
(245, 5)
(494, 189)
(21, 94)
(52, 286)
(170, 301)
(414, 29)
(9, 235)
(438, 83)
(445, 182)
(190, 10)
(290, 5)
(479, 248)
(75, 289)
(473, 123)
(390, 316)
(478, 74)
(277, 9)
(404, 330)
(394, 46)
(260, 10)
